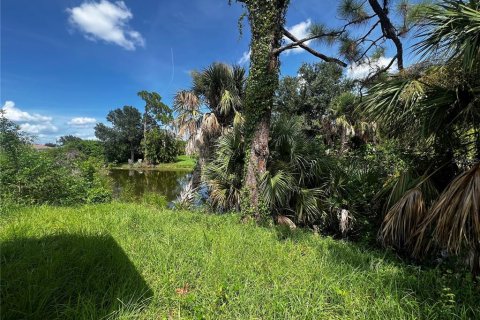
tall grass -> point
(134, 261)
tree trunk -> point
(266, 18)
(257, 164)
(132, 155)
(145, 137)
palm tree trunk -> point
(132, 153)
(145, 137)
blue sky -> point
(66, 63)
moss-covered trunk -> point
(266, 18)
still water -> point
(137, 182)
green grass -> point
(182, 163)
(134, 261)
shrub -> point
(30, 177)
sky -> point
(66, 63)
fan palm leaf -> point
(455, 217)
(451, 31)
(277, 189)
(401, 221)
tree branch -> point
(310, 50)
(374, 75)
(388, 29)
(294, 44)
(329, 34)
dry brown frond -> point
(401, 221)
(455, 217)
(210, 125)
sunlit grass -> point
(128, 260)
(181, 163)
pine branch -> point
(310, 50)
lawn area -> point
(133, 261)
(182, 162)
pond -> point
(137, 182)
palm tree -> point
(443, 100)
(297, 183)
(209, 109)
(186, 105)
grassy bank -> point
(182, 163)
(123, 260)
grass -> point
(135, 261)
(182, 163)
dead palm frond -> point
(345, 221)
(210, 125)
(402, 220)
(454, 219)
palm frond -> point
(454, 219)
(307, 208)
(277, 189)
(452, 30)
(402, 220)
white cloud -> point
(245, 57)
(300, 31)
(32, 123)
(40, 128)
(106, 21)
(363, 70)
(15, 114)
(85, 135)
(82, 121)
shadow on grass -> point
(68, 276)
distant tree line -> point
(135, 135)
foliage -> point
(123, 138)
(38, 177)
(311, 92)
(157, 141)
(89, 148)
(28, 176)
(63, 140)
(302, 181)
(220, 89)
(135, 261)
(155, 108)
(451, 31)
(442, 100)
(223, 175)
(160, 146)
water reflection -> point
(136, 183)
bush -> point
(161, 146)
(58, 177)
(37, 178)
